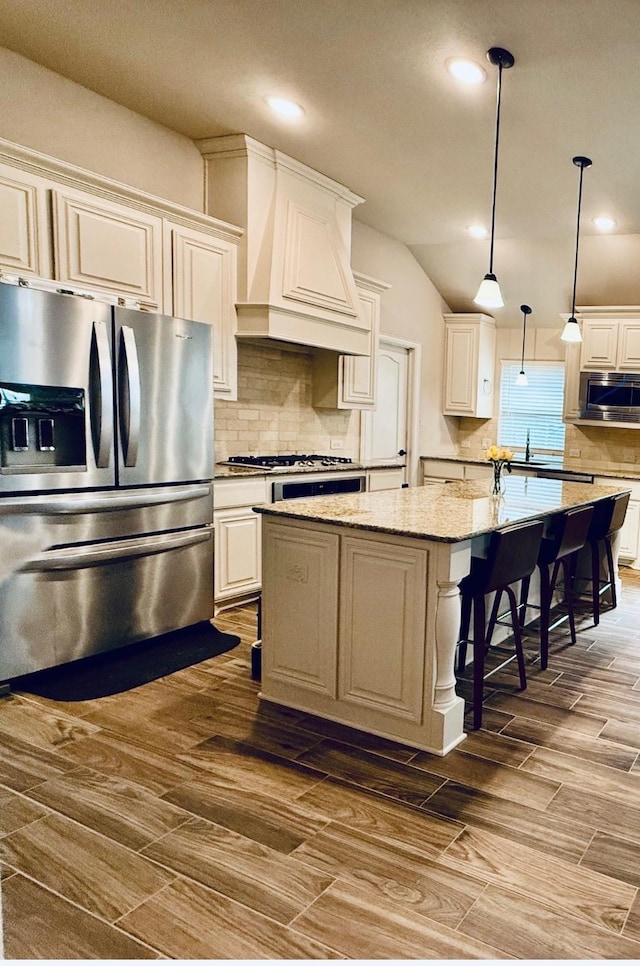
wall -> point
(274, 414)
(46, 112)
(412, 309)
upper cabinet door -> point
(629, 346)
(599, 344)
(24, 228)
(611, 343)
(100, 244)
(470, 341)
(204, 289)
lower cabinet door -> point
(630, 532)
(382, 619)
(237, 553)
(300, 611)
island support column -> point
(453, 562)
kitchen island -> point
(360, 599)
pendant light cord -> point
(495, 166)
(526, 310)
(581, 162)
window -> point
(536, 407)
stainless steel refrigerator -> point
(106, 467)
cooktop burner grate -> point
(293, 459)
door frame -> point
(413, 350)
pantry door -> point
(387, 430)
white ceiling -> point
(385, 119)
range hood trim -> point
(259, 321)
(241, 145)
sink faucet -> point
(527, 452)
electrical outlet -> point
(486, 443)
(337, 444)
(574, 452)
(465, 444)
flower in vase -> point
(500, 458)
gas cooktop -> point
(295, 459)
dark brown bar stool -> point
(608, 517)
(568, 534)
(511, 556)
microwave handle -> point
(101, 399)
(129, 383)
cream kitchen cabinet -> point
(449, 471)
(106, 245)
(24, 224)
(470, 345)
(202, 286)
(387, 478)
(238, 553)
(349, 382)
(571, 403)
(611, 342)
(341, 593)
(629, 539)
(62, 223)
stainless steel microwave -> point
(610, 396)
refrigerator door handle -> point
(101, 398)
(115, 552)
(54, 507)
(129, 383)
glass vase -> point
(498, 482)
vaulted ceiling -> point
(383, 117)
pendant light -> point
(489, 295)
(571, 331)
(521, 378)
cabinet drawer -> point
(443, 470)
(229, 493)
(390, 479)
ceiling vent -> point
(295, 282)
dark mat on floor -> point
(128, 667)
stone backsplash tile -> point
(274, 412)
(591, 448)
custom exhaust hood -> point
(295, 282)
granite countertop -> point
(224, 471)
(539, 463)
(447, 512)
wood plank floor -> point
(186, 820)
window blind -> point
(536, 407)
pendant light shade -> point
(571, 331)
(521, 378)
(489, 295)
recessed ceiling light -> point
(604, 224)
(466, 71)
(285, 108)
(477, 231)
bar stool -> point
(557, 551)
(608, 517)
(511, 556)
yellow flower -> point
(498, 454)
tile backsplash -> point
(596, 448)
(274, 412)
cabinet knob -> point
(402, 452)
